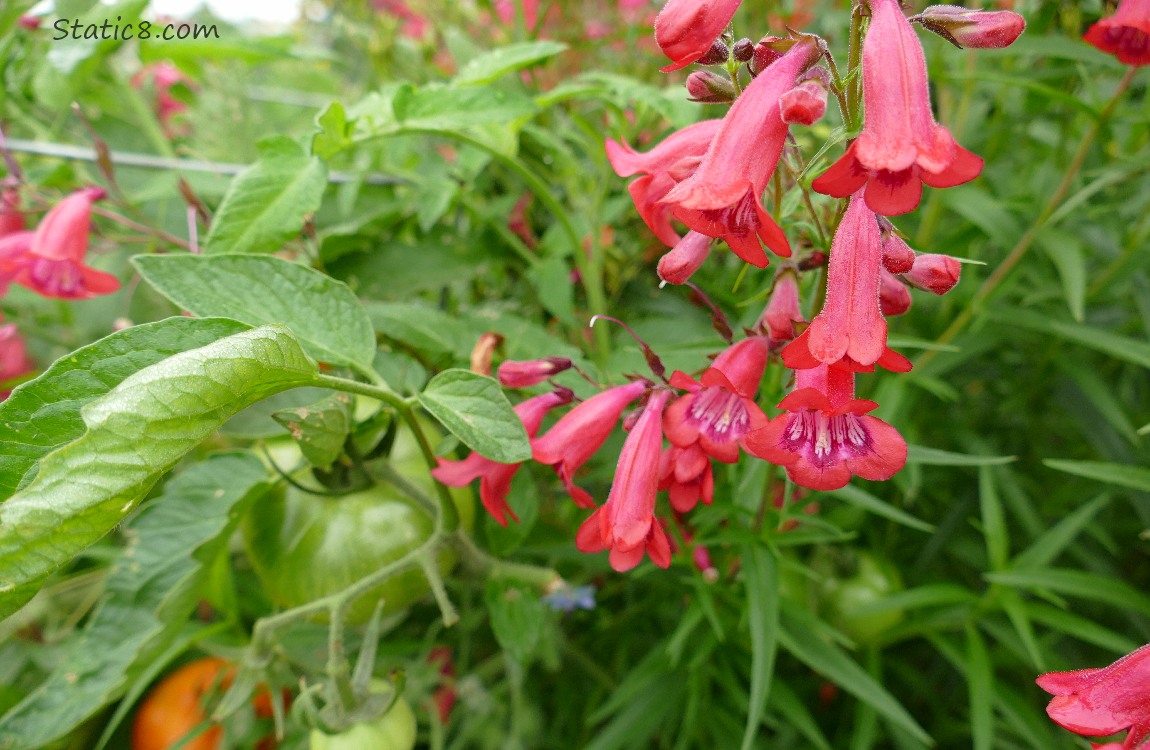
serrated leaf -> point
(918, 454)
(475, 410)
(516, 614)
(150, 592)
(320, 429)
(323, 313)
(267, 203)
(135, 433)
(1133, 477)
(437, 107)
(802, 641)
(43, 414)
(498, 62)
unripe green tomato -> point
(874, 580)
(305, 546)
(395, 730)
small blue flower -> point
(569, 599)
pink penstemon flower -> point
(11, 217)
(50, 260)
(626, 523)
(1126, 34)
(581, 432)
(968, 27)
(827, 435)
(711, 420)
(806, 103)
(686, 257)
(850, 330)
(901, 146)
(723, 197)
(526, 373)
(686, 29)
(495, 478)
(783, 309)
(1101, 702)
(935, 273)
(673, 160)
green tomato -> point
(874, 580)
(305, 546)
(395, 730)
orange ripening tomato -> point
(175, 707)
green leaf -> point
(798, 637)
(1077, 583)
(1133, 477)
(135, 433)
(1080, 628)
(762, 575)
(993, 520)
(980, 686)
(498, 62)
(552, 281)
(517, 615)
(323, 313)
(1120, 347)
(524, 502)
(475, 410)
(320, 429)
(917, 454)
(439, 337)
(44, 414)
(1065, 250)
(1057, 538)
(334, 134)
(267, 203)
(868, 502)
(437, 107)
(150, 592)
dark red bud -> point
(743, 50)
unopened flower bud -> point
(934, 273)
(685, 258)
(783, 309)
(766, 53)
(893, 296)
(29, 22)
(701, 557)
(806, 103)
(967, 27)
(524, 374)
(897, 257)
(707, 87)
(11, 218)
(718, 54)
(743, 50)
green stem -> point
(854, 59)
(478, 561)
(1020, 248)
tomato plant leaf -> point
(498, 62)
(323, 313)
(516, 617)
(320, 429)
(44, 414)
(441, 108)
(134, 434)
(475, 410)
(267, 203)
(150, 591)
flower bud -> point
(783, 309)
(685, 258)
(893, 296)
(766, 53)
(524, 374)
(806, 103)
(11, 219)
(718, 54)
(29, 22)
(743, 50)
(966, 27)
(897, 257)
(934, 273)
(706, 87)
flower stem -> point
(1020, 248)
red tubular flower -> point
(967, 27)
(685, 29)
(827, 436)
(901, 146)
(662, 167)
(677, 266)
(897, 257)
(526, 373)
(893, 296)
(934, 273)
(626, 523)
(1099, 702)
(11, 218)
(723, 197)
(850, 331)
(806, 103)
(495, 478)
(710, 421)
(581, 432)
(783, 309)
(1126, 34)
(52, 264)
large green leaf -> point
(498, 62)
(475, 410)
(258, 289)
(44, 414)
(436, 107)
(135, 433)
(267, 203)
(150, 592)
